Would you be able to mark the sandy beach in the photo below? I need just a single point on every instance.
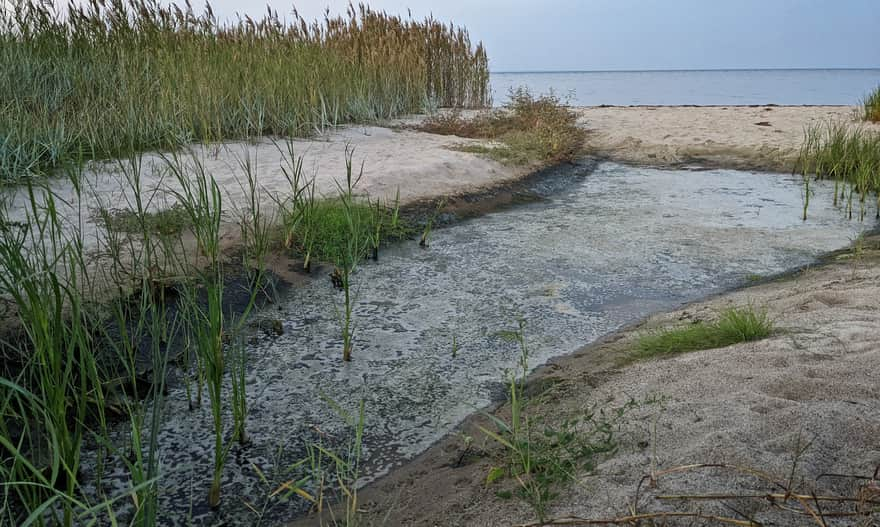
(366, 264)
(745, 137)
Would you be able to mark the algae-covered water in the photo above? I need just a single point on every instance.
(601, 248)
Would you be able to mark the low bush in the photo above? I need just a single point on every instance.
(528, 129)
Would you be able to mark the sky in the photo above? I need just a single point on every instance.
(564, 35)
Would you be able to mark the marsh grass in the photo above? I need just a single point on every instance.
(734, 325)
(322, 229)
(211, 329)
(848, 155)
(103, 79)
(58, 398)
(335, 220)
(130, 321)
(528, 129)
(871, 106)
(41, 273)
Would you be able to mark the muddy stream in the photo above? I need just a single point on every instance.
(600, 247)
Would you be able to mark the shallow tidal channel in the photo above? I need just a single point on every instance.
(600, 249)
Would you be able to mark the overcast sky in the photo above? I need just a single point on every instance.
(643, 34)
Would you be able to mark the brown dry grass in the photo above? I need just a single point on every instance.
(528, 129)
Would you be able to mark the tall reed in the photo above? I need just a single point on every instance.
(79, 354)
(104, 77)
(351, 251)
(141, 317)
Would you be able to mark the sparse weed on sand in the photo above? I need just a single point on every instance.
(541, 454)
(734, 325)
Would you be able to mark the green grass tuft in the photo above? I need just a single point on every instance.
(733, 326)
(330, 228)
(871, 106)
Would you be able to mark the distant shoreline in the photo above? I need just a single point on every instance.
(699, 87)
(702, 70)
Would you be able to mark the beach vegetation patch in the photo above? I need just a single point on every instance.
(743, 324)
(527, 129)
(170, 221)
(540, 455)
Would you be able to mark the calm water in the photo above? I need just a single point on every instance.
(722, 87)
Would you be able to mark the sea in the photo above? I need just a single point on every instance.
(694, 87)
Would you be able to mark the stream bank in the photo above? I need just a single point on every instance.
(799, 404)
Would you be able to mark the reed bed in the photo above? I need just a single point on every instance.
(107, 78)
(850, 156)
